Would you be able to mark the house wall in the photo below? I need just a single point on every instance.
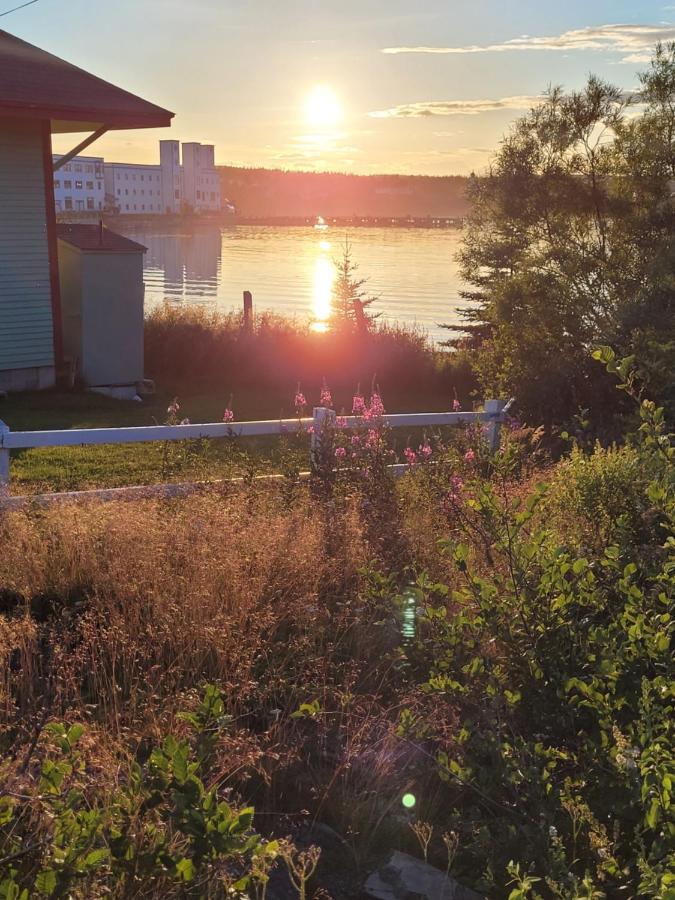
(26, 327)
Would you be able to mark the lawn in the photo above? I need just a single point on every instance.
(77, 468)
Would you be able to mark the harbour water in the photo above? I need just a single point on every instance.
(290, 270)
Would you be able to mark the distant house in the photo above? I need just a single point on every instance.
(41, 95)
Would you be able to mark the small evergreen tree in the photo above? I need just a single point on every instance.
(350, 299)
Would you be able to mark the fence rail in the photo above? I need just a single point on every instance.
(492, 415)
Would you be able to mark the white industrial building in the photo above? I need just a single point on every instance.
(89, 184)
(80, 184)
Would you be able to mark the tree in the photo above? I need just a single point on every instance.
(349, 297)
(569, 242)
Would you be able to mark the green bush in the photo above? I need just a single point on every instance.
(599, 498)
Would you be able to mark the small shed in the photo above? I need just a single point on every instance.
(102, 291)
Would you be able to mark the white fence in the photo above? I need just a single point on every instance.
(492, 415)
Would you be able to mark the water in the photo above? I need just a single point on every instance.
(290, 270)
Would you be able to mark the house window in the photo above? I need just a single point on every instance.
(67, 167)
(143, 207)
(98, 185)
(68, 185)
(78, 167)
(177, 195)
(90, 185)
(89, 170)
(79, 204)
(126, 176)
(68, 202)
(78, 185)
(119, 192)
(126, 191)
(127, 206)
(57, 183)
(90, 203)
(142, 177)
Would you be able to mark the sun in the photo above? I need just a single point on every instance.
(323, 107)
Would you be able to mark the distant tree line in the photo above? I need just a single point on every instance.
(270, 193)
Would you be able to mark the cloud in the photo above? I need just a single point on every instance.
(453, 108)
(634, 40)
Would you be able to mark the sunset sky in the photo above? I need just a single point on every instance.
(427, 86)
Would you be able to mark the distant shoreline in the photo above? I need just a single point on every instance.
(117, 221)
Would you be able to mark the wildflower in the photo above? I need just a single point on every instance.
(184, 422)
(358, 405)
(300, 401)
(340, 452)
(310, 429)
(376, 409)
(173, 407)
(457, 484)
(228, 415)
(341, 422)
(372, 440)
(356, 440)
(425, 450)
(410, 456)
(326, 396)
(469, 456)
(456, 405)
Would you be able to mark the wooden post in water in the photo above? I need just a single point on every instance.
(248, 311)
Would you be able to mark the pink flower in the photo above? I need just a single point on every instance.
(410, 456)
(340, 452)
(310, 429)
(358, 405)
(425, 450)
(456, 405)
(375, 409)
(228, 415)
(173, 407)
(372, 440)
(356, 440)
(469, 456)
(326, 397)
(341, 422)
(300, 401)
(457, 484)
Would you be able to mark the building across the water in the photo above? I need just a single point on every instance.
(90, 184)
(79, 184)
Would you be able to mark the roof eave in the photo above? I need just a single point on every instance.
(68, 120)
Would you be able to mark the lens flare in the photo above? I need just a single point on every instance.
(409, 800)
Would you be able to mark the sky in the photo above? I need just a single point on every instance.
(364, 86)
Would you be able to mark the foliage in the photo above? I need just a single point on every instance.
(560, 665)
(159, 832)
(569, 244)
(350, 299)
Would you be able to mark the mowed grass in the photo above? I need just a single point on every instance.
(117, 465)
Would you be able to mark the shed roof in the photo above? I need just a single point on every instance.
(96, 239)
(36, 84)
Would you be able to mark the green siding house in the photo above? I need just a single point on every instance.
(40, 95)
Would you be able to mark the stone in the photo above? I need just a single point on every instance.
(403, 877)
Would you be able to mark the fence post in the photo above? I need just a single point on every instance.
(248, 311)
(322, 417)
(4, 459)
(494, 408)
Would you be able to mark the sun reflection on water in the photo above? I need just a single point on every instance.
(322, 289)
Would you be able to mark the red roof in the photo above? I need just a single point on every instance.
(38, 85)
(96, 238)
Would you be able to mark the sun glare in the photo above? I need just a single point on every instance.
(322, 107)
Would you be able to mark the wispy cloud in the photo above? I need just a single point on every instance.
(453, 108)
(634, 40)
